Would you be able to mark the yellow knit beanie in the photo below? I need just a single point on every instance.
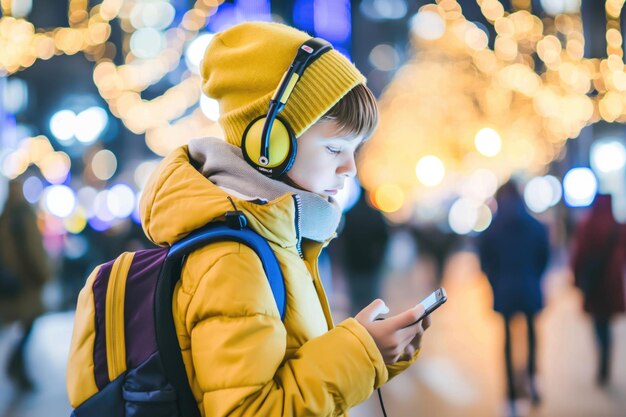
(243, 66)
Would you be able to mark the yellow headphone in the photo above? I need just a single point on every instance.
(268, 142)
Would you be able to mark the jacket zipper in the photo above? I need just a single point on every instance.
(319, 288)
(298, 221)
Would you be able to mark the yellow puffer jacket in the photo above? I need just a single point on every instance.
(241, 359)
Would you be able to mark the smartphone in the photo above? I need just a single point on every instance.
(433, 302)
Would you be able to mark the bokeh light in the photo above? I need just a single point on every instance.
(101, 207)
(99, 225)
(104, 164)
(483, 218)
(121, 201)
(607, 156)
(580, 187)
(384, 9)
(480, 185)
(14, 164)
(55, 167)
(463, 216)
(136, 215)
(428, 25)
(332, 21)
(21, 8)
(388, 198)
(488, 142)
(77, 222)
(32, 189)
(76, 246)
(210, 107)
(146, 42)
(90, 123)
(384, 57)
(195, 51)
(157, 14)
(62, 125)
(143, 172)
(86, 199)
(538, 194)
(556, 7)
(557, 189)
(430, 170)
(59, 200)
(15, 95)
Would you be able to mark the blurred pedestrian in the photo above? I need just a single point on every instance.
(598, 260)
(24, 269)
(514, 253)
(364, 237)
(436, 245)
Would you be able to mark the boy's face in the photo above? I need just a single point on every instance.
(324, 159)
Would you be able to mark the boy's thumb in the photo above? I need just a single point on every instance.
(373, 310)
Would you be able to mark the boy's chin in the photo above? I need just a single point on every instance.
(326, 194)
(294, 184)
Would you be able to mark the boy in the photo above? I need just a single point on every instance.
(241, 358)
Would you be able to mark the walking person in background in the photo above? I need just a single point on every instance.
(598, 260)
(24, 269)
(514, 253)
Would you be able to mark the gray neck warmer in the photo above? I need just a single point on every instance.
(223, 164)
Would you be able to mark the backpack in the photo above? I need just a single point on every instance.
(139, 370)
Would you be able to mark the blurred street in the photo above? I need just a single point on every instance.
(460, 372)
(493, 165)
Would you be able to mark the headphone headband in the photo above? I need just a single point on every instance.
(307, 53)
(271, 129)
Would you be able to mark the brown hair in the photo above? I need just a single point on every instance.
(356, 113)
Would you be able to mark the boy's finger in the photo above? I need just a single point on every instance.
(427, 322)
(410, 350)
(373, 310)
(407, 317)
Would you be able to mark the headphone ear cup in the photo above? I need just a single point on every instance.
(282, 146)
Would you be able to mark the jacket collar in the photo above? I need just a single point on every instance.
(178, 199)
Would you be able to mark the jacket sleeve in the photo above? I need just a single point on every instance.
(238, 345)
(400, 366)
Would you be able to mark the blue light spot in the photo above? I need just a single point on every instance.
(253, 10)
(333, 20)
(303, 15)
(99, 225)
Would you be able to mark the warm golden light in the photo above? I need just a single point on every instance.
(389, 198)
(430, 170)
(438, 104)
(120, 85)
(488, 142)
(448, 98)
(55, 167)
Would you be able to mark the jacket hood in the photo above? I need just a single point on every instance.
(178, 199)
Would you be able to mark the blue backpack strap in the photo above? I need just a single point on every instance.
(220, 232)
(167, 340)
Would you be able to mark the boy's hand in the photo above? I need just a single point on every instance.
(395, 336)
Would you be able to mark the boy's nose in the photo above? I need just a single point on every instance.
(348, 167)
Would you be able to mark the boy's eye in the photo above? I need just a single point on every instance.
(333, 150)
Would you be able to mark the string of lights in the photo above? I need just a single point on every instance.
(464, 114)
(461, 118)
